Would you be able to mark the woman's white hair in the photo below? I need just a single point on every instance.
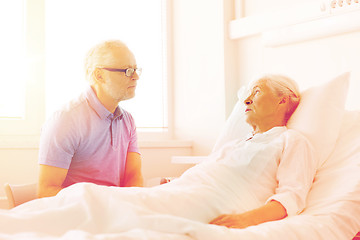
(101, 55)
(284, 86)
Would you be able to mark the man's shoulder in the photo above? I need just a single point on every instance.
(70, 110)
(75, 104)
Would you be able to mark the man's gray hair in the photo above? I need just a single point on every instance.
(101, 55)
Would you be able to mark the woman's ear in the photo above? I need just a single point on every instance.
(283, 100)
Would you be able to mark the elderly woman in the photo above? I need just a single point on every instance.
(283, 161)
(249, 181)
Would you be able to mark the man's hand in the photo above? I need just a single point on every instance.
(165, 180)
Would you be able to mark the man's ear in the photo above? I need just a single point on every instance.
(98, 75)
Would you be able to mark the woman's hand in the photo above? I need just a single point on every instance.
(271, 211)
(233, 221)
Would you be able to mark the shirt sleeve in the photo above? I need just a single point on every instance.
(295, 173)
(133, 143)
(57, 143)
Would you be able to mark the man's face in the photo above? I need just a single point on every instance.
(116, 84)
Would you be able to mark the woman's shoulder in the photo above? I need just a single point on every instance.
(292, 135)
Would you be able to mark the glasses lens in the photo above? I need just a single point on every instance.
(129, 72)
(138, 71)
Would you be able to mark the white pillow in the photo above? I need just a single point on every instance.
(235, 126)
(336, 188)
(318, 116)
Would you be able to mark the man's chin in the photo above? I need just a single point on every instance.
(127, 97)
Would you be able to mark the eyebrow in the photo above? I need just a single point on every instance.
(130, 66)
(127, 66)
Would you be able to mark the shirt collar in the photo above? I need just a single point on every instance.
(270, 133)
(100, 110)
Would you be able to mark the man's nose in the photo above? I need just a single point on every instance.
(135, 76)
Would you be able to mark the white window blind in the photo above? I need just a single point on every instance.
(74, 26)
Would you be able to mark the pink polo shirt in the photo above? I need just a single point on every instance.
(89, 141)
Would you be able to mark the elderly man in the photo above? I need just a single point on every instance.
(92, 139)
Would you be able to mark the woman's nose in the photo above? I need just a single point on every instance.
(248, 101)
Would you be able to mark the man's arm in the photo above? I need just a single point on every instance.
(133, 175)
(50, 180)
(271, 211)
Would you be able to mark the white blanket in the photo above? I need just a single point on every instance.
(171, 211)
(87, 211)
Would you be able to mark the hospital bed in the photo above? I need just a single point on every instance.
(333, 203)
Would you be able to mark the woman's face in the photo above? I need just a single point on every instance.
(261, 104)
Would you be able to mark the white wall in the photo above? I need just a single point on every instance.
(199, 71)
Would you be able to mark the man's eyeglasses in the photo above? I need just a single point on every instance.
(129, 72)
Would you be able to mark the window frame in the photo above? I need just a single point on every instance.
(167, 133)
(24, 132)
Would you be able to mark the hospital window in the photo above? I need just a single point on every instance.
(43, 46)
(74, 26)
